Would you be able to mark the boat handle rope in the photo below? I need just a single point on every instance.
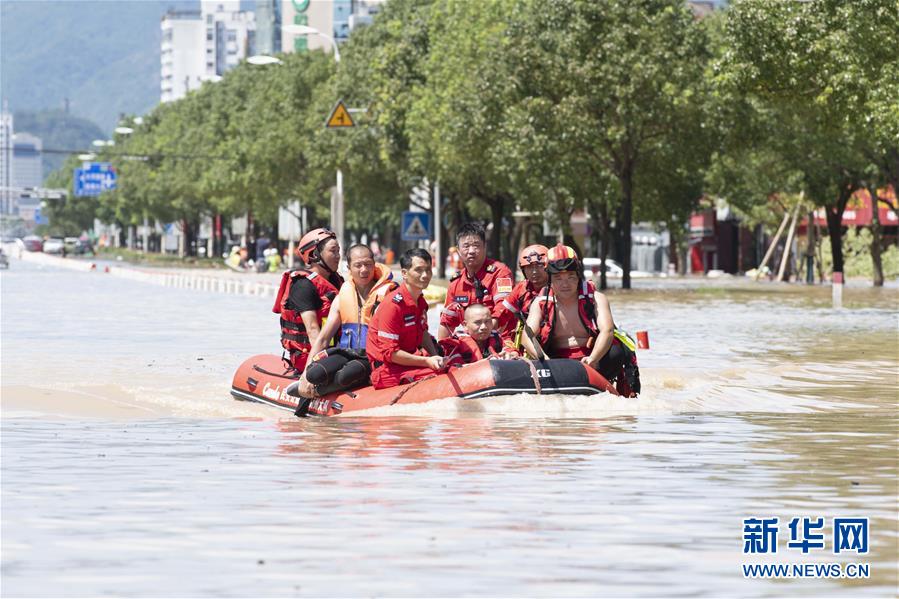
(535, 376)
(287, 374)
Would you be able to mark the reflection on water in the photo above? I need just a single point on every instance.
(127, 469)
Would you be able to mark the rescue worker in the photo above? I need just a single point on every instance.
(532, 261)
(573, 320)
(399, 346)
(346, 365)
(305, 295)
(478, 341)
(481, 280)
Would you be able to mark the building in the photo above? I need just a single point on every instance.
(268, 26)
(6, 133)
(202, 46)
(27, 171)
(182, 54)
(334, 18)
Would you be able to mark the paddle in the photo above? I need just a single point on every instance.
(541, 355)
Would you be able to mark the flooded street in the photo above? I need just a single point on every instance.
(128, 469)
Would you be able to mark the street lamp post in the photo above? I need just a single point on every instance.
(338, 220)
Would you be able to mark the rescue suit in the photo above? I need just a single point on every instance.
(463, 349)
(399, 323)
(490, 285)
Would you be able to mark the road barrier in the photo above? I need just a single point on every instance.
(199, 282)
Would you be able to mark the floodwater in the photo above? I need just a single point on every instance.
(128, 470)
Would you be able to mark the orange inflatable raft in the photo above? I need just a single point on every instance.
(265, 378)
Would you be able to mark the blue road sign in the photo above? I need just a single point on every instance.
(94, 180)
(40, 219)
(416, 226)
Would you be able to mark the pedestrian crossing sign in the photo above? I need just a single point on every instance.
(340, 117)
(416, 226)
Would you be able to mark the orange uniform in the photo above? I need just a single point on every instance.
(399, 323)
(489, 287)
(463, 349)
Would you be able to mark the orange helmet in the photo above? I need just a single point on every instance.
(307, 250)
(561, 258)
(531, 254)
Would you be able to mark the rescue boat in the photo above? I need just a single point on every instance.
(265, 378)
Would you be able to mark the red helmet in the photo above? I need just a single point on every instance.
(307, 250)
(531, 254)
(561, 258)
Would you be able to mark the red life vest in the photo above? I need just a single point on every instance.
(294, 337)
(464, 348)
(586, 307)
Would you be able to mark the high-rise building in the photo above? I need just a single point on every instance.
(6, 133)
(202, 46)
(182, 53)
(27, 165)
(268, 26)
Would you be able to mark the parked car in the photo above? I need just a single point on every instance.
(54, 245)
(70, 243)
(613, 269)
(83, 246)
(33, 243)
(592, 268)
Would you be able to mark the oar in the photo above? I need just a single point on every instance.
(541, 355)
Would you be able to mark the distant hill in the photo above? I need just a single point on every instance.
(58, 131)
(102, 56)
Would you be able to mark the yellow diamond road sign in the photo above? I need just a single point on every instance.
(340, 117)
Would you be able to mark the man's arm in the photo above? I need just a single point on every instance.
(310, 321)
(606, 326)
(404, 358)
(328, 331)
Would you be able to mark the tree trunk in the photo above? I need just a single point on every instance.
(876, 235)
(835, 226)
(603, 247)
(627, 207)
(497, 205)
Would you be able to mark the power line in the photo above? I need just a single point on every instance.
(125, 155)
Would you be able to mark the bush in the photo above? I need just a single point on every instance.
(857, 255)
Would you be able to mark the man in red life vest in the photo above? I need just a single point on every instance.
(346, 365)
(399, 346)
(481, 280)
(532, 261)
(478, 341)
(304, 297)
(573, 320)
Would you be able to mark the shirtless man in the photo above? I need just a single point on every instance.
(573, 320)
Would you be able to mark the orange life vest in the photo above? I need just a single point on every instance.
(356, 313)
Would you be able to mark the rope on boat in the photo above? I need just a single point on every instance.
(535, 376)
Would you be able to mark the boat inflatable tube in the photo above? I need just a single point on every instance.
(266, 378)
